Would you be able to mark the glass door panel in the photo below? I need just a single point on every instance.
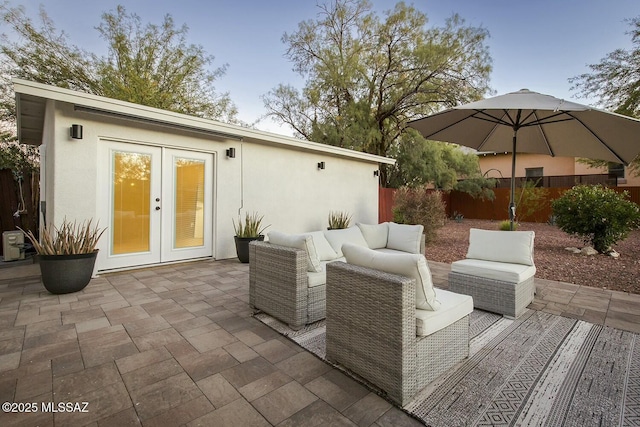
(131, 202)
(189, 202)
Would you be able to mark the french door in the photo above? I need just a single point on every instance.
(160, 204)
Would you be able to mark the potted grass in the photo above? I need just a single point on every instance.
(339, 220)
(67, 255)
(247, 231)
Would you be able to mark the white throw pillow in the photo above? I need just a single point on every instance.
(375, 235)
(298, 241)
(337, 238)
(324, 249)
(405, 237)
(515, 247)
(409, 265)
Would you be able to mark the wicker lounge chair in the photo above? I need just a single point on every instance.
(498, 271)
(371, 330)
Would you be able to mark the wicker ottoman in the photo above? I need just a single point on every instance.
(509, 299)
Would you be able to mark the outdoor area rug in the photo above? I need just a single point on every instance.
(540, 369)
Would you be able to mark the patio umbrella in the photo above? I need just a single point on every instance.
(530, 122)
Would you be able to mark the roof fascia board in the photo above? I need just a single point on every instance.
(150, 114)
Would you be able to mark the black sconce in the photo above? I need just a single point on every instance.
(231, 153)
(76, 131)
(320, 165)
(376, 172)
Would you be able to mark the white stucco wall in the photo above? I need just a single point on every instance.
(280, 182)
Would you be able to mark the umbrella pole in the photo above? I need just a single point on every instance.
(512, 205)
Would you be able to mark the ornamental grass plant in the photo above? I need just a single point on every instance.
(70, 238)
(250, 227)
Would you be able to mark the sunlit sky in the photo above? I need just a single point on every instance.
(536, 45)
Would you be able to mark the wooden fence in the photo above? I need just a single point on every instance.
(497, 209)
(19, 202)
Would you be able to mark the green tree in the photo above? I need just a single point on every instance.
(366, 77)
(446, 166)
(148, 64)
(615, 80)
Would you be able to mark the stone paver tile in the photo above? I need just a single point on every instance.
(157, 339)
(367, 410)
(112, 346)
(101, 403)
(337, 390)
(146, 326)
(161, 307)
(32, 315)
(164, 395)
(303, 367)
(587, 299)
(204, 329)
(64, 333)
(151, 374)
(181, 415)
(67, 364)
(237, 413)
(248, 372)
(77, 316)
(8, 389)
(248, 337)
(240, 351)
(626, 305)
(211, 340)
(397, 418)
(178, 316)
(201, 365)
(318, 414)
(274, 350)
(264, 385)
(11, 345)
(93, 324)
(33, 385)
(126, 315)
(10, 361)
(192, 323)
(125, 418)
(7, 333)
(143, 359)
(72, 386)
(283, 402)
(218, 390)
(233, 324)
(625, 321)
(49, 352)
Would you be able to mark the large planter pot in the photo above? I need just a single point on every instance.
(63, 274)
(242, 246)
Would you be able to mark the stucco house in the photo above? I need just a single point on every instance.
(168, 185)
(498, 165)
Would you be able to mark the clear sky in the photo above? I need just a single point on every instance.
(536, 45)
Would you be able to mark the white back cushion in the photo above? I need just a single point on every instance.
(405, 237)
(337, 238)
(324, 249)
(514, 247)
(375, 234)
(408, 265)
(299, 241)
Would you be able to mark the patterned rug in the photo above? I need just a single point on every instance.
(538, 370)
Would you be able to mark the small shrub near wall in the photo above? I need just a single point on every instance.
(420, 206)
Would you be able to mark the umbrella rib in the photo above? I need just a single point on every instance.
(544, 135)
(599, 139)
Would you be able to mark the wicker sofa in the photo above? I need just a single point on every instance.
(375, 330)
(287, 273)
(498, 271)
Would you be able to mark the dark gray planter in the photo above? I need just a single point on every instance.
(242, 247)
(63, 274)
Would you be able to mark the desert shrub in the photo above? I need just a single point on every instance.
(420, 206)
(598, 215)
(531, 199)
(506, 225)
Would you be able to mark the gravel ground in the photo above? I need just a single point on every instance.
(553, 262)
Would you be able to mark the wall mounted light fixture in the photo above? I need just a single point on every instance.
(76, 131)
(231, 153)
(376, 172)
(320, 165)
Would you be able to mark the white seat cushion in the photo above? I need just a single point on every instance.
(404, 237)
(515, 247)
(503, 271)
(323, 248)
(407, 265)
(453, 307)
(298, 241)
(337, 238)
(320, 277)
(375, 234)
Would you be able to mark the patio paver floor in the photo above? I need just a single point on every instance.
(176, 345)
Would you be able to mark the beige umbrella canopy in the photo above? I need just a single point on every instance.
(530, 122)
